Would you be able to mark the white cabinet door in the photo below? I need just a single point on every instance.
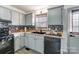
(26, 41)
(22, 41)
(17, 43)
(74, 45)
(40, 44)
(5, 13)
(31, 43)
(22, 19)
(35, 42)
(28, 19)
(54, 16)
(1, 12)
(15, 18)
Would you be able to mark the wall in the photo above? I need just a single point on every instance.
(64, 41)
(66, 27)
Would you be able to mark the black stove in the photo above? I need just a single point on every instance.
(6, 39)
(7, 44)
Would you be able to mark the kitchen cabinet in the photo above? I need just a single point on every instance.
(5, 13)
(17, 43)
(28, 19)
(1, 12)
(73, 45)
(26, 41)
(63, 46)
(22, 19)
(39, 44)
(31, 39)
(22, 40)
(55, 16)
(35, 42)
(15, 18)
(31, 43)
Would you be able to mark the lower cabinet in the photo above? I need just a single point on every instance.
(35, 42)
(39, 45)
(73, 45)
(26, 41)
(17, 43)
(22, 39)
(31, 43)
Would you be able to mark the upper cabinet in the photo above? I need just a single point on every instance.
(15, 18)
(29, 19)
(5, 13)
(55, 16)
(22, 19)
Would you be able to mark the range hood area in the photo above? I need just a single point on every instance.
(6, 21)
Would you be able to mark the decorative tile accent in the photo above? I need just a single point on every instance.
(58, 27)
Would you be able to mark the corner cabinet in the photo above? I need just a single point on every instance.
(22, 40)
(55, 16)
(28, 19)
(15, 18)
(22, 19)
(5, 13)
(19, 40)
(31, 43)
(39, 44)
(17, 43)
(26, 40)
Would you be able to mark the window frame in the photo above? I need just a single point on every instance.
(40, 15)
(71, 19)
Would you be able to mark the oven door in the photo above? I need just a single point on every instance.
(7, 46)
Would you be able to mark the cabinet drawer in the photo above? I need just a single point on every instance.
(40, 37)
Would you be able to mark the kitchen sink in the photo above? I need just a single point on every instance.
(39, 32)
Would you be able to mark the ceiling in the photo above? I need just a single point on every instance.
(31, 8)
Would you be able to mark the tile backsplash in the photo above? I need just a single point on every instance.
(19, 28)
(59, 28)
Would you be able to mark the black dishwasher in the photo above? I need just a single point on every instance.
(52, 45)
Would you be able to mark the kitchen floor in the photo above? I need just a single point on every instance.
(24, 51)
